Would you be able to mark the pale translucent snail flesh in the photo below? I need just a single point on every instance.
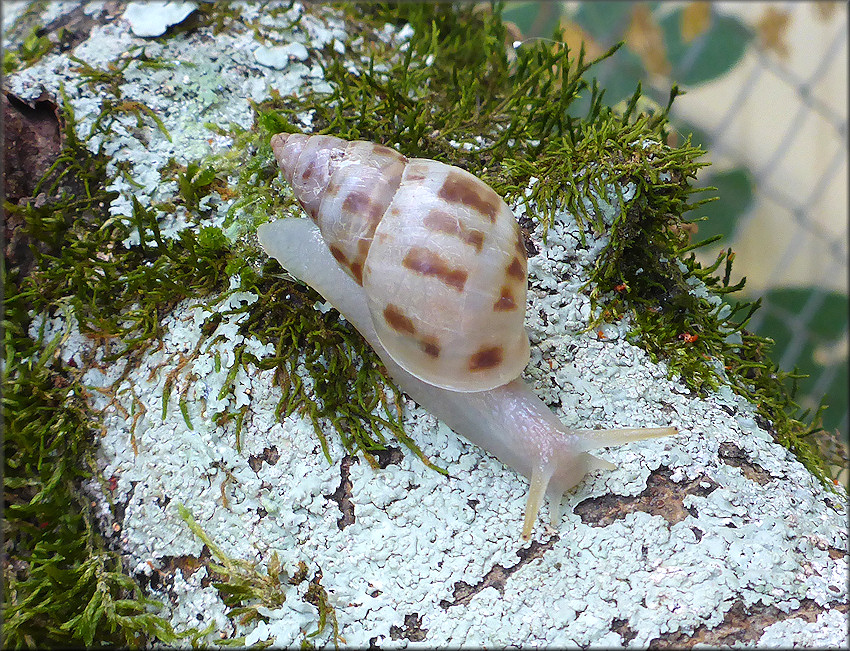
(428, 263)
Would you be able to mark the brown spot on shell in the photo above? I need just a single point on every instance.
(360, 203)
(356, 202)
(383, 150)
(515, 269)
(428, 263)
(414, 176)
(430, 346)
(469, 191)
(520, 244)
(475, 238)
(338, 255)
(308, 171)
(355, 267)
(506, 301)
(486, 358)
(396, 319)
(442, 222)
(363, 245)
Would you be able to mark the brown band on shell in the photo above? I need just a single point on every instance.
(360, 202)
(486, 358)
(428, 263)
(515, 270)
(430, 346)
(469, 191)
(397, 320)
(506, 301)
(520, 244)
(355, 267)
(443, 222)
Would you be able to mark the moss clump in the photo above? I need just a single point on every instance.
(63, 585)
(244, 588)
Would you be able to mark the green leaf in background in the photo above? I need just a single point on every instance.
(699, 138)
(521, 14)
(710, 55)
(836, 398)
(605, 21)
(734, 197)
(534, 18)
(821, 333)
(622, 75)
(827, 324)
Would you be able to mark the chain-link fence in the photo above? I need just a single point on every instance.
(766, 96)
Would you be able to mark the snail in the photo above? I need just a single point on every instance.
(427, 262)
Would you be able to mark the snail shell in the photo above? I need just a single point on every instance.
(427, 263)
(437, 252)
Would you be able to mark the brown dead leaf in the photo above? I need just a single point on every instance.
(825, 10)
(772, 28)
(574, 36)
(696, 19)
(644, 38)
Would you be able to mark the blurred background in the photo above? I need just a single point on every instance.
(766, 97)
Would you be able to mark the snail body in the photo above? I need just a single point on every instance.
(427, 263)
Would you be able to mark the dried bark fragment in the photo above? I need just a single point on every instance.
(412, 630)
(732, 455)
(342, 495)
(498, 575)
(662, 496)
(741, 625)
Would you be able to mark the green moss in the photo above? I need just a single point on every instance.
(31, 50)
(25, 40)
(62, 584)
(244, 588)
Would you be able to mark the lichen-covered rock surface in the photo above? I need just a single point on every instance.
(717, 535)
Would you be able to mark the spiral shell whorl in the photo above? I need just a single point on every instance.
(446, 280)
(437, 251)
(345, 187)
